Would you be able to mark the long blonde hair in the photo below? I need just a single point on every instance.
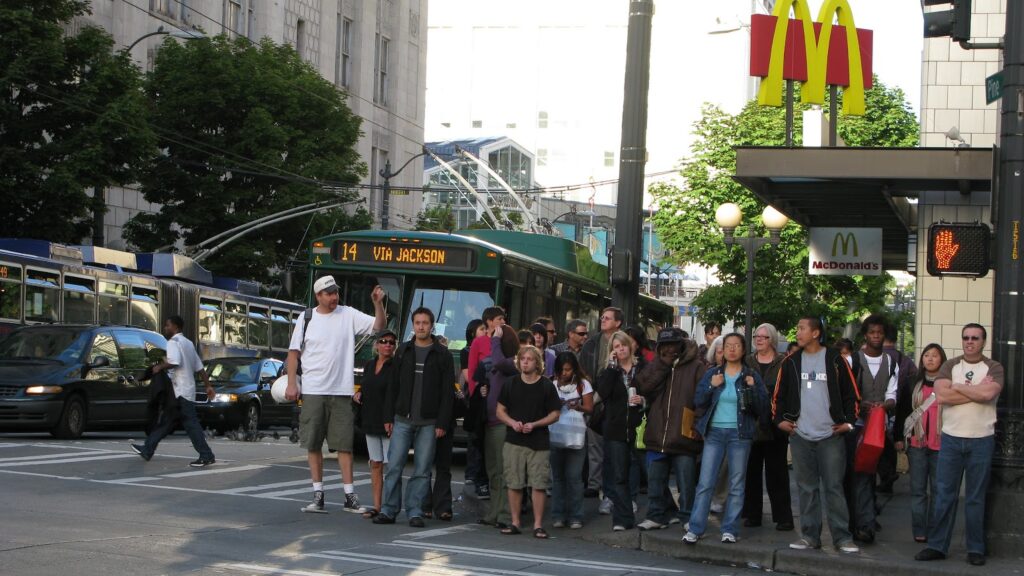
(626, 339)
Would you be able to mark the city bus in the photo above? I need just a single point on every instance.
(48, 283)
(458, 275)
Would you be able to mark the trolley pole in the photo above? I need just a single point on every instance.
(627, 250)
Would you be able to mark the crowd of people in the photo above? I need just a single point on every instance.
(613, 415)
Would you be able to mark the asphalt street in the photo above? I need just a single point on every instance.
(92, 506)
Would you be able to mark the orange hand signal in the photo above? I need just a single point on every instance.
(945, 249)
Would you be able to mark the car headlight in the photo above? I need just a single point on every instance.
(35, 390)
(225, 398)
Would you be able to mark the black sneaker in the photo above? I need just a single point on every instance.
(416, 522)
(383, 519)
(141, 451)
(201, 462)
(483, 492)
(352, 504)
(317, 505)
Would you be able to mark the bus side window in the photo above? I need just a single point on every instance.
(210, 318)
(42, 296)
(10, 291)
(145, 308)
(513, 305)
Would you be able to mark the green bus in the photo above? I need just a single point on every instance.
(458, 275)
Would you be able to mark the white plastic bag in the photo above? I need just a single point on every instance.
(570, 431)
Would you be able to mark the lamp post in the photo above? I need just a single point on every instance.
(385, 192)
(183, 34)
(729, 217)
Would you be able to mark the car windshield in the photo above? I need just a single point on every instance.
(49, 343)
(240, 371)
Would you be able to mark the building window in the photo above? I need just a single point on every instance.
(542, 156)
(250, 28)
(380, 67)
(510, 125)
(233, 18)
(344, 72)
(609, 158)
(300, 38)
(165, 7)
(478, 124)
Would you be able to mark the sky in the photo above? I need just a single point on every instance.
(898, 42)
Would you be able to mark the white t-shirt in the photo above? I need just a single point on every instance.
(182, 353)
(973, 419)
(328, 356)
(571, 393)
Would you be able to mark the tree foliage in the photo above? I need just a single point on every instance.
(256, 141)
(72, 120)
(783, 289)
(436, 219)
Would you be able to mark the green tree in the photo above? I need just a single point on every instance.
(783, 290)
(436, 219)
(72, 120)
(246, 131)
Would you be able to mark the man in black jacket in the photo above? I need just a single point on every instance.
(416, 410)
(815, 402)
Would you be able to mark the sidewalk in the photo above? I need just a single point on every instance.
(764, 548)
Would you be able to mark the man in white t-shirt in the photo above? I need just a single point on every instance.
(182, 363)
(326, 347)
(967, 388)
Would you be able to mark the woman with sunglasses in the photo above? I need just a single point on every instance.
(377, 373)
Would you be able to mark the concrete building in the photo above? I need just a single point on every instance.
(375, 51)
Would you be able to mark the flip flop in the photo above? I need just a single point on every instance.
(540, 533)
(371, 513)
(445, 516)
(511, 530)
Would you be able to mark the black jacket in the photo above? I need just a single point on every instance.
(373, 395)
(438, 392)
(843, 394)
(620, 419)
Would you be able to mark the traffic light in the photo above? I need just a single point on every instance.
(955, 23)
(959, 250)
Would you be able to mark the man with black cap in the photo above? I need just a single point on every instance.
(669, 384)
(324, 340)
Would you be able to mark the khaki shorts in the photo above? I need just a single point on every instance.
(526, 467)
(328, 418)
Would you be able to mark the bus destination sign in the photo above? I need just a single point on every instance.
(401, 255)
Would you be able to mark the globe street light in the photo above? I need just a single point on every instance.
(729, 216)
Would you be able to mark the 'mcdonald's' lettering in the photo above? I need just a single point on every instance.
(815, 53)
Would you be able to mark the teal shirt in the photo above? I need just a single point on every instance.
(726, 409)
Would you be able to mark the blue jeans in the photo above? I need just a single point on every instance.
(617, 463)
(422, 440)
(959, 457)
(819, 468)
(719, 445)
(567, 484)
(189, 421)
(659, 498)
(922, 487)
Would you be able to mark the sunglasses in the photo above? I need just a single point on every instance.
(970, 338)
(581, 333)
(386, 342)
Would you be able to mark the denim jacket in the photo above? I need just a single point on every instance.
(707, 398)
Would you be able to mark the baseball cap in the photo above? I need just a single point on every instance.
(325, 283)
(667, 335)
(386, 332)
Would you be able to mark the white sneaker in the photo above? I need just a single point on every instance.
(802, 544)
(690, 538)
(728, 538)
(651, 525)
(618, 528)
(635, 507)
(606, 507)
(849, 548)
(716, 508)
(675, 520)
(558, 524)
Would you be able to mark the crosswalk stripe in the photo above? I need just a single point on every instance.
(274, 570)
(51, 456)
(133, 480)
(10, 445)
(215, 471)
(257, 488)
(441, 566)
(306, 489)
(490, 553)
(66, 460)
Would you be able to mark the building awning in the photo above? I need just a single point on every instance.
(861, 187)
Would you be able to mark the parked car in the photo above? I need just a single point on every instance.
(242, 395)
(68, 378)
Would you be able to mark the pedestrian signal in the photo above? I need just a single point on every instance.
(959, 250)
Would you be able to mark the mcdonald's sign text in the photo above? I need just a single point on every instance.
(817, 53)
(845, 252)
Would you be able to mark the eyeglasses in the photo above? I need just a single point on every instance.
(580, 333)
(386, 342)
(970, 338)
(759, 336)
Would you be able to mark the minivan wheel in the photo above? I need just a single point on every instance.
(251, 423)
(72, 419)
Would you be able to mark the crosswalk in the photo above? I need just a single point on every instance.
(226, 477)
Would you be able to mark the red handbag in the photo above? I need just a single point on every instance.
(871, 443)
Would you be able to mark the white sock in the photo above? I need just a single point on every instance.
(350, 488)
(318, 486)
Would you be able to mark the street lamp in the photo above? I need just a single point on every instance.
(176, 33)
(729, 216)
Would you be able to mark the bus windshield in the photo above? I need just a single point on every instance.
(453, 308)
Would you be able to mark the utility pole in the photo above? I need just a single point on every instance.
(1006, 496)
(625, 265)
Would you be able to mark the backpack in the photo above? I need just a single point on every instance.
(306, 317)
